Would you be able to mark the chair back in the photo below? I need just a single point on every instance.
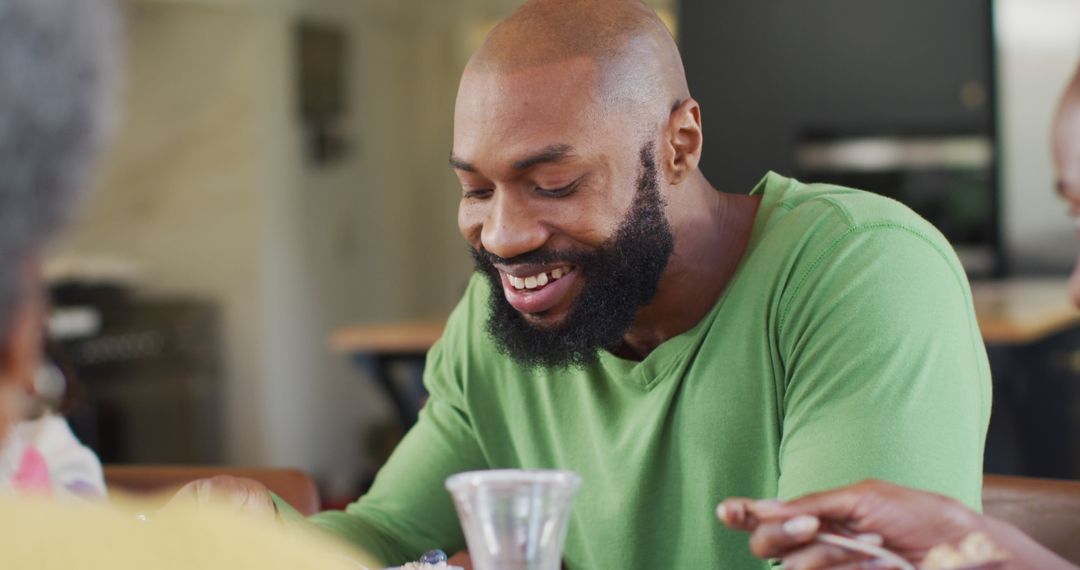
(1047, 510)
(292, 485)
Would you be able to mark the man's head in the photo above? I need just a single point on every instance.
(1066, 150)
(57, 72)
(573, 124)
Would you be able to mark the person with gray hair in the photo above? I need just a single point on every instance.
(59, 67)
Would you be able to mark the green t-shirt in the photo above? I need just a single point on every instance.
(844, 348)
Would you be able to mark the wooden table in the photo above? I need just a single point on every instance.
(406, 337)
(1023, 311)
(1031, 334)
(385, 349)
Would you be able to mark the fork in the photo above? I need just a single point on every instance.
(884, 555)
(890, 558)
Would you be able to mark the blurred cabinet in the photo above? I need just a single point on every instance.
(784, 80)
(148, 385)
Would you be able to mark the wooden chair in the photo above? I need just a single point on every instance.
(1047, 510)
(292, 485)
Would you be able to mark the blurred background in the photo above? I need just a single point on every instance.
(281, 176)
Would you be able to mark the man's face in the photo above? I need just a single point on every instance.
(562, 208)
(1067, 164)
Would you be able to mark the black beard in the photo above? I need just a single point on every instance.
(619, 277)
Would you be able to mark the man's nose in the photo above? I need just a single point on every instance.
(512, 226)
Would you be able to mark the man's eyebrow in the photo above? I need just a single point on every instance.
(459, 164)
(553, 153)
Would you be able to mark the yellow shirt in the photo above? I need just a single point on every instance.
(44, 535)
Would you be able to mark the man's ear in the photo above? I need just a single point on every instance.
(20, 347)
(682, 142)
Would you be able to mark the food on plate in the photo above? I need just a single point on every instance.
(976, 551)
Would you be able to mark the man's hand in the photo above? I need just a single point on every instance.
(244, 495)
(907, 521)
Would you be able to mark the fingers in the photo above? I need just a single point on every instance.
(743, 514)
(836, 505)
(775, 540)
(243, 495)
(735, 513)
(254, 501)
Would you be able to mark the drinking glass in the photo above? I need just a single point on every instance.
(514, 519)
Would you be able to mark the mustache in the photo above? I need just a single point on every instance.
(540, 256)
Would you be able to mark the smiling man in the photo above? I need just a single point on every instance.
(673, 344)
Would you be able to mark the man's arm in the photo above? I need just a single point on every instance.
(408, 510)
(886, 372)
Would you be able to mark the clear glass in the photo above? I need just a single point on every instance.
(514, 519)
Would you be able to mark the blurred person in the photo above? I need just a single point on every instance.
(58, 67)
(909, 522)
(55, 82)
(42, 454)
(671, 343)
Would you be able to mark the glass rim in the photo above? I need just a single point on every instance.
(504, 477)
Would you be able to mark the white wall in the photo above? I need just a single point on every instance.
(1038, 50)
(343, 241)
(178, 194)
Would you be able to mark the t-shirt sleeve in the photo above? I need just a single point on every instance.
(73, 468)
(886, 372)
(408, 510)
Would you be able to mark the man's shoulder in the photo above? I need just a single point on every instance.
(851, 208)
(814, 228)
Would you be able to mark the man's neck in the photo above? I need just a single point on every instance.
(712, 230)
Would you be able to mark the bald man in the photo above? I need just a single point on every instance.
(672, 344)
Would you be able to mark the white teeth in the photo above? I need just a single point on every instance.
(538, 280)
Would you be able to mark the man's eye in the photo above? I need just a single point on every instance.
(478, 194)
(558, 192)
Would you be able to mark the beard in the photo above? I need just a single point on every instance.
(619, 277)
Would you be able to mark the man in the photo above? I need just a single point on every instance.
(57, 67)
(909, 522)
(672, 344)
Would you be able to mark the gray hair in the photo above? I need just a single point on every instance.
(59, 66)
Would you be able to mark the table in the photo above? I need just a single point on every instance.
(1023, 311)
(1031, 334)
(406, 337)
(394, 352)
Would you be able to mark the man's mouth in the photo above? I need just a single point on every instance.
(540, 280)
(541, 291)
